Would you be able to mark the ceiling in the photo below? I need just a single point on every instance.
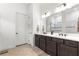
(48, 7)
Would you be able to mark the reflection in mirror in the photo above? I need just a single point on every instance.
(66, 21)
(54, 23)
(78, 25)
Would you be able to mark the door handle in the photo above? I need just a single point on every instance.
(16, 33)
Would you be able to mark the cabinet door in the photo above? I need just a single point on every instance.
(64, 50)
(42, 43)
(78, 48)
(37, 37)
(51, 47)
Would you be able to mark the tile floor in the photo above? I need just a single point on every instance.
(25, 50)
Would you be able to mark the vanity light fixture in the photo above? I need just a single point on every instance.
(46, 14)
(64, 6)
(60, 7)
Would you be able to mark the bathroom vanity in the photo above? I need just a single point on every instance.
(57, 45)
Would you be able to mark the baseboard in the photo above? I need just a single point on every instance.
(21, 45)
(4, 51)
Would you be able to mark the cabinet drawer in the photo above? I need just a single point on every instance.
(42, 37)
(54, 39)
(37, 36)
(70, 43)
(59, 40)
(48, 38)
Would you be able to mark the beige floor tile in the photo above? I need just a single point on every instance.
(25, 50)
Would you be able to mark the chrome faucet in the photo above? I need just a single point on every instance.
(61, 34)
(52, 32)
(65, 35)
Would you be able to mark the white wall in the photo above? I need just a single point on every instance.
(30, 14)
(37, 18)
(8, 22)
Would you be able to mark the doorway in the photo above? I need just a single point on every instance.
(21, 29)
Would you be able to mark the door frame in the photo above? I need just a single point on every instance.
(16, 24)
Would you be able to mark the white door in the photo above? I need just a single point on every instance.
(21, 28)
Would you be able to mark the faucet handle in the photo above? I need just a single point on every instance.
(65, 34)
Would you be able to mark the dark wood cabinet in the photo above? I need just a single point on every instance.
(50, 46)
(70, 43)
(37, 42)
(78, 48)
(57, 46)
(68, 48)
(58, 40)
(42, 43)
(64, 50)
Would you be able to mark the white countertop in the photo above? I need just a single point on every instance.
(74, 38)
